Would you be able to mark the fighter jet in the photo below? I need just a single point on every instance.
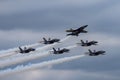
(49, 41)
(85, 44)
(76, 32)
(25, 50)
(60, 51)
(95, 53)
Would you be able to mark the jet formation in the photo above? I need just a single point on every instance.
(71, 32)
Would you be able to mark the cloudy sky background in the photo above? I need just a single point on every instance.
(27, 21)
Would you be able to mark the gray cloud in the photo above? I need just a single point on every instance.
(27, 21)
(103, 16)
(15, 6)
(61, 75)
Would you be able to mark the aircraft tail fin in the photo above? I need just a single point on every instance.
(89, 51)
(44, 40)
(86, 41)
(54, 50)
(58, 49)
(49, 39)
(21, 51)
(82, 41)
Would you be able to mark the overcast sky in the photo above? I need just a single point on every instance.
(27, 21)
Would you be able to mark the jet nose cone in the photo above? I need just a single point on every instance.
(95, 42)
(67, 50)
(85, 26)
(57, 40)
(103, 51)
(33, 49)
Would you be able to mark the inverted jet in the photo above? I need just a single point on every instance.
(76, 32)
